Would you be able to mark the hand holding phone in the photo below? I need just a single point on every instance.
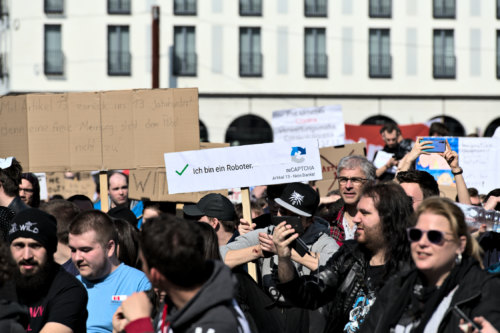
(436, 145)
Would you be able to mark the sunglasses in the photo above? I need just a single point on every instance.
(434, 236)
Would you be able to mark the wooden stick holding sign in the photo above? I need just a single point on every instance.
(247, 215)
(103, 192)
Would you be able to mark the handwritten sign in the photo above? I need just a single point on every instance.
(243, 166)
(324, 123)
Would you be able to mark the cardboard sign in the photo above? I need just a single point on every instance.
(152, 184)
(57, 183)
(243, 166)
(330, 158)
(98, 130)
(324, 123)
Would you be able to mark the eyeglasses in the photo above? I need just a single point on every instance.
(354, 180)
(27, 190)
(434, 236)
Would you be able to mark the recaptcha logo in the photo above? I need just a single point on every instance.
(297, 154)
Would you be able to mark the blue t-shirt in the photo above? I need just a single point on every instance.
(106, 295)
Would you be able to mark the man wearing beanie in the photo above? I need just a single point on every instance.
(56, 300)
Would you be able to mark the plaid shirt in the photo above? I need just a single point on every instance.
(337, 228)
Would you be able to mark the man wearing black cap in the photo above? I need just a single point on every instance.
(56, 300)
(297, 200)
(216, 210)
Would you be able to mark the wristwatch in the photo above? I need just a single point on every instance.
(458, 172)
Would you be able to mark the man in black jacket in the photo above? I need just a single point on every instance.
(353, 275)
(199, 293)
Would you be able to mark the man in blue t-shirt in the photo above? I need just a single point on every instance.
(92, 240)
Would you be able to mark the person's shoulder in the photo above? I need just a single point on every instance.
(65, 282)
(219, 318)
(126, 271)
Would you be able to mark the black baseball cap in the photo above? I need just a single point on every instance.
(299, 198)
(212, 205)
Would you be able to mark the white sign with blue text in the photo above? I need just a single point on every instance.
(242, 166)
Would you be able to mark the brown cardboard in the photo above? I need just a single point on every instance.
(98, 130)
(167, 121)
(330, 157)
(14, 129)
(117, 129)
(85, 142)
(58, 184)
(48, 132)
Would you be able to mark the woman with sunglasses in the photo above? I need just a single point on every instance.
(447, 274)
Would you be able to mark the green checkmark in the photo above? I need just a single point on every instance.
(180, 173)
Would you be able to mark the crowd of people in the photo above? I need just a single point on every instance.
(386, 252)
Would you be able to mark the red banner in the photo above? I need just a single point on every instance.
(370, 134)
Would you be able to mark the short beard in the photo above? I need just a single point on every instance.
(31, 286)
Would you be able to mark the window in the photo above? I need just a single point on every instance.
(444, 54)
(118, 6)
(251, 7)
(249, 130)
(3, 9)
(380, 8)
(316, 61)
(185, 7)
(54, 6)
(184, 51)
(119, 59)
(380, 53)
(317, 8)
(53, 56)
(444, 8)
(250, 55)
(498, 54)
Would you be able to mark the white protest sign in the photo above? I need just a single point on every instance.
(480, 160)
(324, 123)
(242, 166)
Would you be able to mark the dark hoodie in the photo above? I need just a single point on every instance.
(213, 307)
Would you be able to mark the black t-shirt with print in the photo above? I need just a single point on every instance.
(364, 299)
(65, 302)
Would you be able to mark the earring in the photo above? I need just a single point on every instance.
(458, 259)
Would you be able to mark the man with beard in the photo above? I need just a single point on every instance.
(56, 300)
(353, 275)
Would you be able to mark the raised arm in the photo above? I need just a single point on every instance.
(451, 158)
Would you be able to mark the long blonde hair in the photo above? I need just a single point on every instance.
(446, 208)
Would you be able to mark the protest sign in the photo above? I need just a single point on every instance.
(478, 157)
(98, 130)
(151, 183)
(324, 123)
(243, 166)
(330, 158)
(57, 183)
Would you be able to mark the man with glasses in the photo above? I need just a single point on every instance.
(353, 275)
(352, 173)
(297, 202)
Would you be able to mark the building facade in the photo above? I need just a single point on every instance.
(402, 60)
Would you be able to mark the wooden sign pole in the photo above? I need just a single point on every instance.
(103, 192)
